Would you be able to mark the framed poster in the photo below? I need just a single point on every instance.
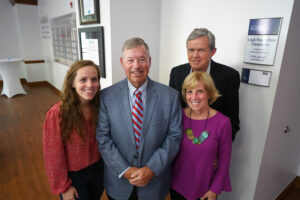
(91, 41)
(89, 11)
(263, 35)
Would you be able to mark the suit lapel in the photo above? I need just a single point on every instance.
(124, 107)
(187, 69)
(186, 72)
(151, 99)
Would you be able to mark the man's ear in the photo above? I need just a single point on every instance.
(213, 52)
(121, 60)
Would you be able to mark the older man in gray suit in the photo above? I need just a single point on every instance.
(139, 130)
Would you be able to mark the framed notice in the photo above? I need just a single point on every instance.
(91, 41)
(89, 11)
(263, 35)
(256, 77)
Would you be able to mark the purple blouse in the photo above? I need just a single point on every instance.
(193, 171)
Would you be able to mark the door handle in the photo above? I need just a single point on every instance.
(286, 129)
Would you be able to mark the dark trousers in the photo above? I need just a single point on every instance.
(176, 196)
(133, 195)
(88, 181)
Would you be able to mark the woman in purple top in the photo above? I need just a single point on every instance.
(201, 168)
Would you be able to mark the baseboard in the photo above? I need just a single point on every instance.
(24, 81)
(37, 83)
(43, 83)
(54, 88)
(295, 183)
(33, 61)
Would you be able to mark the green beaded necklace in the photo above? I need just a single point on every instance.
(204, 135)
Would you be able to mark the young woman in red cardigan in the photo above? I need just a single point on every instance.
(73, 163)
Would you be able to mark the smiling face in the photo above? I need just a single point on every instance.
(86, 83)
(136, 64)
(197, 98)
(199, 53)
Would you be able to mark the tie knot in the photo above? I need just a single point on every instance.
(137, 93)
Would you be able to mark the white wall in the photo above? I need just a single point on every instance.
(55, 72)
(121, 20)
(229, 21)
(28, 26)
(105, 22)
(281, 158)
(9, 38)
(20, 38)
(134, 18)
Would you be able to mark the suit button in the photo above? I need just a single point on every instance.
(135, 156)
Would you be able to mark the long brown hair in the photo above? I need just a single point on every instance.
(70, 116)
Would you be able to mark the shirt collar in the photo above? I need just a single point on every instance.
(132, 88)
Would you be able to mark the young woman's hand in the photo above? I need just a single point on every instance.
(70, 194)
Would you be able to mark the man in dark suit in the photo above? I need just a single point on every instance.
(200, 50)
(139, 130)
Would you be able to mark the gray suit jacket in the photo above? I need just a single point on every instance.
(159, 143)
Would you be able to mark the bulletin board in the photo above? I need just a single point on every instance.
(64, 38)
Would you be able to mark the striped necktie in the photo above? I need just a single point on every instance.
(137, 116)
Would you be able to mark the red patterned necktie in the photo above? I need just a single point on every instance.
(137, 116)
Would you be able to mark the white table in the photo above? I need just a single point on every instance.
(9, 70)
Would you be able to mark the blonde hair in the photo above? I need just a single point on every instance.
(70, 116)
(192, 80)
